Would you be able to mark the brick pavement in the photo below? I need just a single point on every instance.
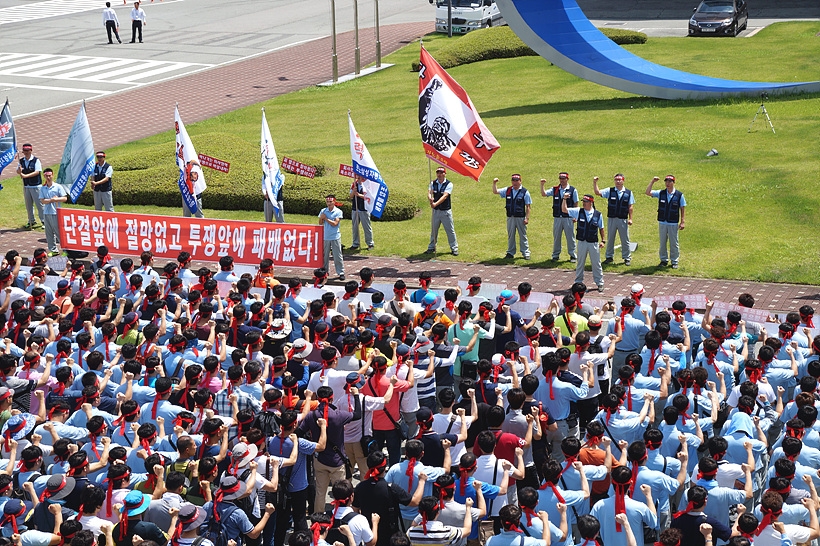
(227, 88)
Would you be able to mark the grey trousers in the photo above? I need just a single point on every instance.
(594, 252)
(554, 438)
(336, 247)
(52, 232)
(187, 213)
(443, 218)
(517, 226)
(103, 201)
(271, 213)
(619, 226)
(669, 233)
(32, 197)
(562, 227)
(362, 217)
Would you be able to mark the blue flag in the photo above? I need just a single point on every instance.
(8, 139)
(366, 173)
(77, 163)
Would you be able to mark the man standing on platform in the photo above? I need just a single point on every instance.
(518, 205)
(618, 217)
(101, 184)
(360, 214)
(439, 196)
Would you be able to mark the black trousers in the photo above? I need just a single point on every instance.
(136, 26)
(111, 26)
(296, 509)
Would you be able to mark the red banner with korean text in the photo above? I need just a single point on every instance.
(214, 163)
(294, 245)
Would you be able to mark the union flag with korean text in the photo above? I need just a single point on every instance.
(451, 129)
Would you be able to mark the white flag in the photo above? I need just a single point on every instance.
(77, 163)
(272, 177)
(191, 180)
(376, 192)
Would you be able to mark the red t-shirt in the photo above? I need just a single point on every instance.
(505, 444)
(374, 387)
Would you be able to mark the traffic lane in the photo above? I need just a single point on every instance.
(644, 10)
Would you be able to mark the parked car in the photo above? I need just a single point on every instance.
(719, 17)
(467, 15)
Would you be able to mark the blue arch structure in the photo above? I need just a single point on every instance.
(559, 31)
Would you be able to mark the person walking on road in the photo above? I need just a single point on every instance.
(112, 24)
(29, 170)
(137, 21)
(618, 217)
(101, 184)
(518, 205)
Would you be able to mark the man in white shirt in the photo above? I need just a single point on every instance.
(111, 22)
(137, 21)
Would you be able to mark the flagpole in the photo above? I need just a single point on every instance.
(378, 41)
(333, 58)
(356, 54)
(429, 169)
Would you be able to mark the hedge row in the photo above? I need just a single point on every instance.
(503, 43)
(150, 178)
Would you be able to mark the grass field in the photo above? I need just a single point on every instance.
(752, 210)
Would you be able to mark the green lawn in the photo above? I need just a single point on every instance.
(752, 209)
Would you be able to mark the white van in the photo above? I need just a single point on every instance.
(467, 15)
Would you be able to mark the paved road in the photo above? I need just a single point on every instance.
(55, 52)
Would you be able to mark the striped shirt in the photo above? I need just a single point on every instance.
(437, 534)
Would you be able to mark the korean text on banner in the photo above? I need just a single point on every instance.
(214, 163)
(297, 167)
(451, 129)
(294, 245)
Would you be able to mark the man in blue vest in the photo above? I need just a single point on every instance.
(439, 197)
(101, 184)
(671, 209)
(360, 215)
(29, 170)
(518, 204)
(561, 223)
(589, 222)
(618, 217)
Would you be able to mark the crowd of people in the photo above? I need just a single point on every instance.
(145, 405)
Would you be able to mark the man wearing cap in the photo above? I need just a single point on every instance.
(671, 213)
(58, 487)
(30, 171)
(190, 518)
(50, 197)
(438, 194)
(589, 223)
(618, 216)
(518, 204)
(101, 183)
(561, 223)
(134, 506)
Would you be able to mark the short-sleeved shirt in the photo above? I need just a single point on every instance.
(527, 199)
(332, 233)
(574, 212)
(235, 525)
(298, 472)
(657, 193)
(147, 530)
(435, 534)
(50, 192)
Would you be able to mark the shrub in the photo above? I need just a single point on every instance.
(150, 178)
(624, 37)
(503, 43)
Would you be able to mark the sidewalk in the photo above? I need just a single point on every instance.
(224, 89)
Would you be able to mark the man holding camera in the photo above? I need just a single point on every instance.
(671, 211)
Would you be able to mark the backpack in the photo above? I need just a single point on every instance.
(267, 423)
(245, 503)
(215, 531)
(334, 534)
(17, 491)
(595, 348)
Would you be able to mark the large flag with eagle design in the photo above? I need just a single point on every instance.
(451, 129)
